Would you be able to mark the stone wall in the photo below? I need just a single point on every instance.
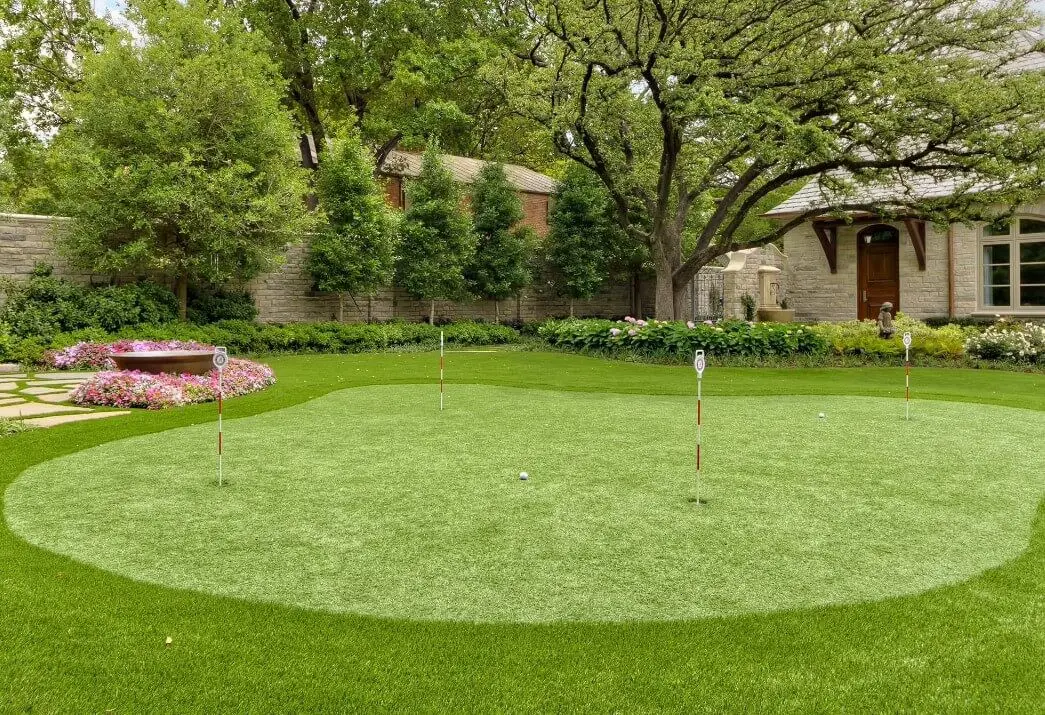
(740, 278)
(285, 295)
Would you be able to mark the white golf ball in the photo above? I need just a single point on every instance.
(821, 415)
(523, 475)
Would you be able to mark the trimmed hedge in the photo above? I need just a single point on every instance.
(860, 337)
(243, 337)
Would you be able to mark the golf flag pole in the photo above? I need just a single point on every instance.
(220, 359)
(442, 364)
(907, 375)
(699, 363)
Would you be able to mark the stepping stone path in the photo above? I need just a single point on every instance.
(39, 399)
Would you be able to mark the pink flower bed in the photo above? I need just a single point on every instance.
(98, 356)
(133, 388)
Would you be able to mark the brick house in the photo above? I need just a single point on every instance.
(845, 269)
(534, 189)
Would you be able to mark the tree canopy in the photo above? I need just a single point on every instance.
(178, 157)
(501, 266)
(354, 252)
(716, 109)
(437, 240)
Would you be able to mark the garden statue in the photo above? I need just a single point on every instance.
(885, 321)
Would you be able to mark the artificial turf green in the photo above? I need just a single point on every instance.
(76, 638)
(372, 501)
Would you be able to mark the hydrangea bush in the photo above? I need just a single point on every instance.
(673, 338)
(98, 356)
(133, 388)
(1011, 341)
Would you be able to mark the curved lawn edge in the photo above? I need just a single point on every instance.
(975, 645)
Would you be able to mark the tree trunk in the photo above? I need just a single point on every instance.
(664, 299)
(571, 307)
(431, 314)
(181, 289)
(497, 312)
(340, 307)
(370, 309)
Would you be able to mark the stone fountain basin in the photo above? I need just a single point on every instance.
(193, 362)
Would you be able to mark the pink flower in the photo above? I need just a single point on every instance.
(629, 319)
(614, 332)
(690, 324)
(633, 332)
(640, 323)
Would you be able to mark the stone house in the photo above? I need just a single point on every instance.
(845, 269)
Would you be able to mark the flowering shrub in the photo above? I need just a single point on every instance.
(98, 356)
(1017, 342)
(133, 388)
(673, 338)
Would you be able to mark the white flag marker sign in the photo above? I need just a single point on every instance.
(220, 360)
(907, 374)
(699, 363)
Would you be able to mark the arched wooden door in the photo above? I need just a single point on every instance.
(878, 270)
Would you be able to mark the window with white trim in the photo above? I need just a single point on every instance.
(1012, 265)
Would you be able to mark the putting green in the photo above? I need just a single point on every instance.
(371, 501)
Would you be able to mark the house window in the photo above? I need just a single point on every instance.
(1012, 265)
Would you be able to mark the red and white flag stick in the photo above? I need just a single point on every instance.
(442, 363)
(699, 364)
(907, 375)
(221, 359)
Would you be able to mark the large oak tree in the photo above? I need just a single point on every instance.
(698, 115)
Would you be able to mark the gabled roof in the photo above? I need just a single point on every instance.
(814, 196)
(465, 171)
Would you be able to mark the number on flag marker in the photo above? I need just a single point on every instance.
(907, 340)
(699, 363)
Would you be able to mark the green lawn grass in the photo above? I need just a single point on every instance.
(75, 637)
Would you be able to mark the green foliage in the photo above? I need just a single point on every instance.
(245, 337)
(671, 339)
(179, 158)
(860, 337)
(748, 302)
(500, 267)
(355, 252)
(215, 304)
(7, 342)
(437, 237)
(582, 235)
(43, 306)
(9, 427)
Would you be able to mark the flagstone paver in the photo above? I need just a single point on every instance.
(40, 390)
(63, 396)
(64, 419)
(7, 386)
(27, 409)
(5, 395)
(12, 401)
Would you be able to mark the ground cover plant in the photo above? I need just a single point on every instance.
(78, 637)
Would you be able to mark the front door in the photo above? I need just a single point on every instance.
(878, 270)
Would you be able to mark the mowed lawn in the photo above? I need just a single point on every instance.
(76, 637)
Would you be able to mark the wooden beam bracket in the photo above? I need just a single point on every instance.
(828, 236)
(916, 230)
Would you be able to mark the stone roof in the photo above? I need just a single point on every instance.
(465, 171)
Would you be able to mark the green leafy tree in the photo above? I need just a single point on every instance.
(713, 107)
(583, 240)
(178, 157)
(355, 252)
(402, 70)
(437, 240)
(501, 266)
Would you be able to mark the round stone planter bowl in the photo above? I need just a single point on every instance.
(178, 362)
